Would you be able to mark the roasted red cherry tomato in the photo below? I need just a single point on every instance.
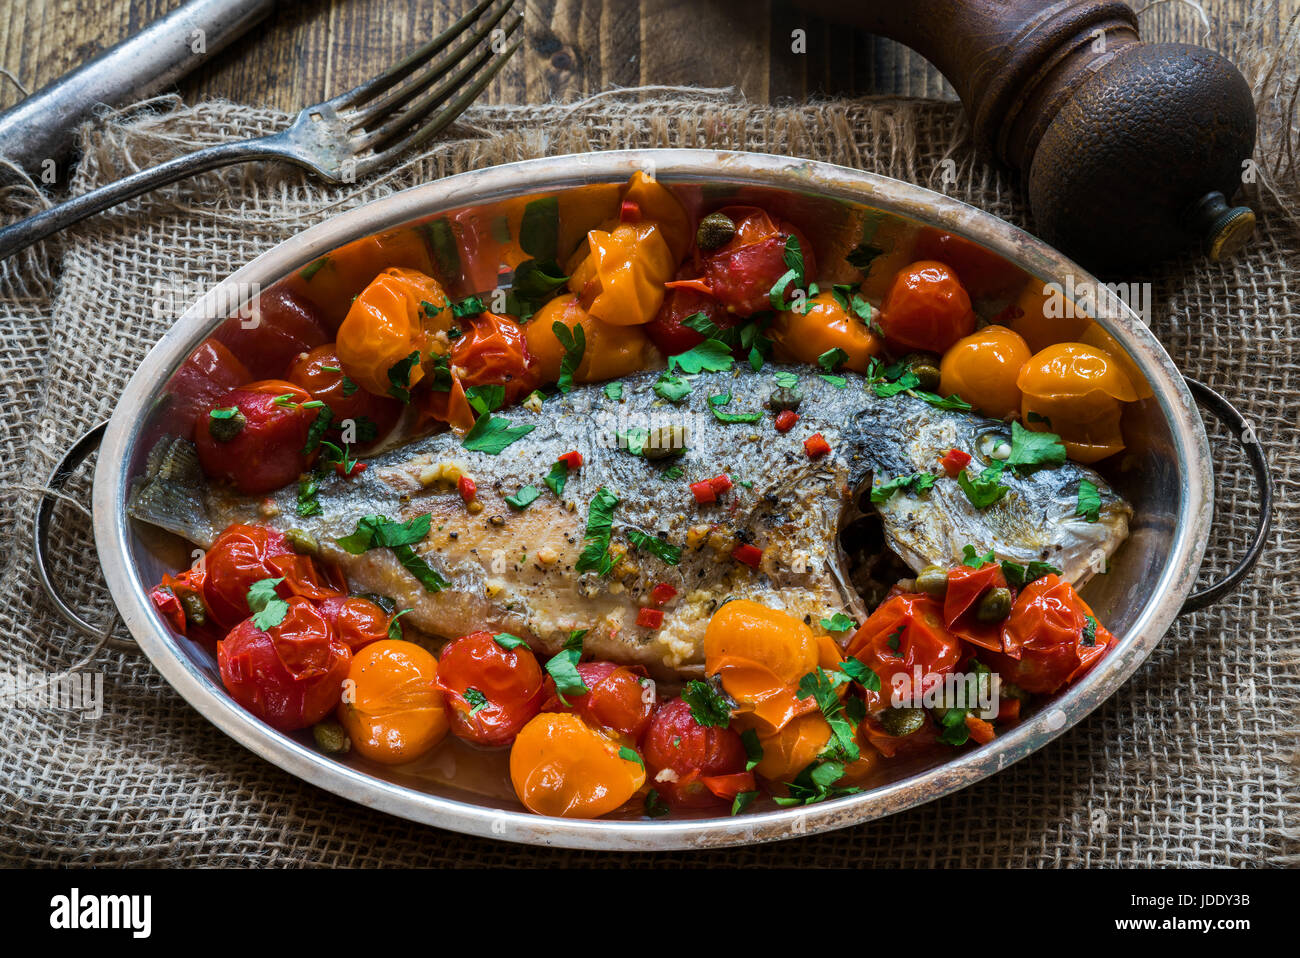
(689, 764)
(245, 554)
(290, 675)
(491, 691)
(268, 338)
(618, 699)
(926, 308)
(1051, 638)
(209, 373)
(966, 586)
(256, 436)
(667, 331)
(741, 273)
(985, 274)
(493, 350)
(905, 632)
(355, 619)
(321, 373)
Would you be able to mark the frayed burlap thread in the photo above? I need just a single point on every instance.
(1189, 764)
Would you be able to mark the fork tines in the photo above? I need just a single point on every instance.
(386, 116)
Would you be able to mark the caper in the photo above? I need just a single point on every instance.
(226, 428)
(783, 398)
(994, 605)
(925, 367)
(716, 230)
(302, 542)
(899, 722)
(330, 737)
(664, 441)
(196, 613)
(932, 580)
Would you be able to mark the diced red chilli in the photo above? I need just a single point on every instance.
(703, 492)
(750, 555)
(816, 446)
(954, 461)
(786, 419)
(468, 490)
(649, 618)
(357, 469)
(720, 484)
(571, 460)
(662, 593)
(629, 212)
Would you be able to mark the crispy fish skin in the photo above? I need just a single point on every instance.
(514, 570)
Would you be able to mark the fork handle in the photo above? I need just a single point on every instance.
(24, 233)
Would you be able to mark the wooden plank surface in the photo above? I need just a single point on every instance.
(311, 49)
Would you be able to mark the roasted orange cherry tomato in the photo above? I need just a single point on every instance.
(903, 634)
(621, 281)
(263, 446)
(804, 337)
(789, 751)
(561, 766)
(388, 322)
(394, 711)
(320, 372)
(611, 352)
(692, 765)
(491, 691)
(985, 274)
(760, 654)
(1077, 392)
(493, 350)
(926, 308)
(965, 587)
(355, 620)
(1051, 638)
(1038, 317)
(659, 205)
(618, 699)
(245, 554)
(291, 675)
(741, 274)
(982, 368)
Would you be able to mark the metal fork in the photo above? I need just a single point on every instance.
(341, 139)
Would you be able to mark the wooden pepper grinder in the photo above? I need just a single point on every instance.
(1129, 151)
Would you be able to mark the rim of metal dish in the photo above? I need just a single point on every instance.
(112, 528)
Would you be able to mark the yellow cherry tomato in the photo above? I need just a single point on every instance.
(621, 281)
(560, 765)
(396, 711)
(388, 322)
(611, 351)
(1076, 391)
(1039, 316)
(982, 368)
(660, 206)
(794, 747)
(760, 654)
(804, 337)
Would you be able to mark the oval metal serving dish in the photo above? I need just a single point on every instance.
(1166, 477)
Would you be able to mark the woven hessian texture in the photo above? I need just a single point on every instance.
(1190, 763)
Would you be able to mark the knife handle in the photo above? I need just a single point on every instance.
(1129, 151)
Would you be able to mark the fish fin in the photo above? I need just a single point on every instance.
(171, 494)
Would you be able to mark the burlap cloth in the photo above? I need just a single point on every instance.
(1190, 763)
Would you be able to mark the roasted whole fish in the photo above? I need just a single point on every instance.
(514, 569)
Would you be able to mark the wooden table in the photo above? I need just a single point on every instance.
(311, 49)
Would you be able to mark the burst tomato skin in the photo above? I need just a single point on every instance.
(357, 621)
(511, 680)
(320, 372)
(493, 350)
(245, 554)
(906, 632)
(268, 340)
(690, 752)
(926, 308)
(268, 452)
(618, 699)
(290, 675)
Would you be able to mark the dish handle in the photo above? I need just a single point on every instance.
(1227, 414)
(59, 477)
